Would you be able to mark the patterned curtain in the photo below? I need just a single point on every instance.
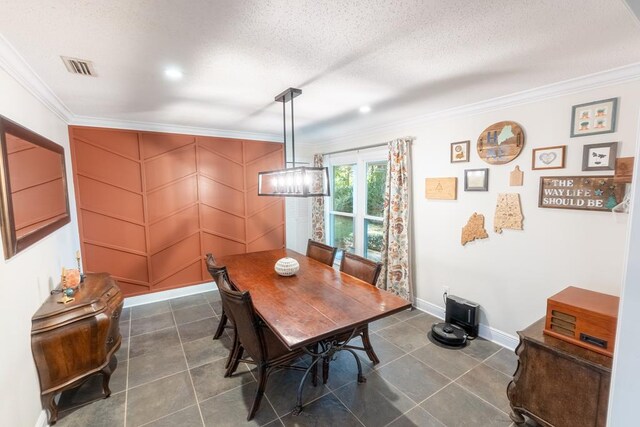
(317, 209)
(396, 275)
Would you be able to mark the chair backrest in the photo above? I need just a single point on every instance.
(239, 308)
(216, 271)
(320, 252)
(362, 268)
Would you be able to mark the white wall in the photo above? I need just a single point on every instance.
(297, 223)
(626, 376)
(512, 274)
(25, 279)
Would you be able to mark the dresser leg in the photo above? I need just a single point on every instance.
(49, 403)
(516, 416)
(106, 376)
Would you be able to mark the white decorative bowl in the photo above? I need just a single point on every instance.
(287, 266)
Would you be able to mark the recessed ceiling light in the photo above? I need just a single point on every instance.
(365, 109)
(173, 73)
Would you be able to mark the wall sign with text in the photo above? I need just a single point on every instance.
(592, 193)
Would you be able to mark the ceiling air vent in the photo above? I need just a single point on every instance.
(79, 66)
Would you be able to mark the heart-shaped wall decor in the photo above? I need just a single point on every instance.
(547, 158)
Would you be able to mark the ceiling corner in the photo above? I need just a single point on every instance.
(16, 66)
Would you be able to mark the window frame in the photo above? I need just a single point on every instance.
(360, 159)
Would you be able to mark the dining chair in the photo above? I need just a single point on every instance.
(216, 272)
(263, 347)
(320, 252)
(367, 271)
(361, 268)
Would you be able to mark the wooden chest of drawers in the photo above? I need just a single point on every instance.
(73, 341)
(558, 383)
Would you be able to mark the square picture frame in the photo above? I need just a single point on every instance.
(476, 179)
(460, 151)
(599, 157)
(594, 118)
(548, 157)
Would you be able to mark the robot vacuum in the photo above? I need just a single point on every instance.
(449, 335)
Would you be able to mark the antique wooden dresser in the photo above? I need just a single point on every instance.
(558, 383)
(73, 341)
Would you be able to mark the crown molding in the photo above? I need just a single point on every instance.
(169, 128)
(18, 68)
(611, 77)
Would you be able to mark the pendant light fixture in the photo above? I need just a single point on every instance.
(300, 181)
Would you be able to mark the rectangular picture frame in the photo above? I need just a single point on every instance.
(599, 157)
(548, 157)
(460, 151)
(585, 192)
(476, 179)
(594, 118)
(441, 188)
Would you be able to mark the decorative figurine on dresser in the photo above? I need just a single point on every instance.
(74, 335)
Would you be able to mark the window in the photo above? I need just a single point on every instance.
(355, 209)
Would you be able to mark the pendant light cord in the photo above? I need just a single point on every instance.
(293, 137)
(284, 130)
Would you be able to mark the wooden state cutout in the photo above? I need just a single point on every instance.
(441, 188)
(474, 229)
(516, 177)
(508, 213)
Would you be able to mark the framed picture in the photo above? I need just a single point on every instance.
(599, 157)
(548, 157)
(460, 151)
(476, 179)
(594, 118)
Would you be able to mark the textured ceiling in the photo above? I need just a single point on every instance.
(404, 58)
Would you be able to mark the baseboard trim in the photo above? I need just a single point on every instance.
(172, 293)
(42, 419)
(487, 332)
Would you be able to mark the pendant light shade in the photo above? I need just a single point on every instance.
(301, 181)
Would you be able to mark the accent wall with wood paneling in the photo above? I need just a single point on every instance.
(150, 205)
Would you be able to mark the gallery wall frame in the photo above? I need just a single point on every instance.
(476, 179)
(599, 157)
(594, 118)
(548, 157)
(460, 151)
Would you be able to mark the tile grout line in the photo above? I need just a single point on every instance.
(454, 381)
(215, 316)
(165, 416)
(195, 394)
(348, 409)
(451, 381)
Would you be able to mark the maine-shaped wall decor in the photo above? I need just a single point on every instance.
(508, 213)
(500, 143)
(474, 229)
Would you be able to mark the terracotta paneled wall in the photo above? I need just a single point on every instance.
(37, 185)
(151, 204)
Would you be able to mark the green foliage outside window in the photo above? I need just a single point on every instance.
(343, 188)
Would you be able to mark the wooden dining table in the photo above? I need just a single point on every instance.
(312, 306)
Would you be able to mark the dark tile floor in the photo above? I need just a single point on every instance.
(170, 373)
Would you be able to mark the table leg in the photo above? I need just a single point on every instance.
(361, 378)
(298, 407)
